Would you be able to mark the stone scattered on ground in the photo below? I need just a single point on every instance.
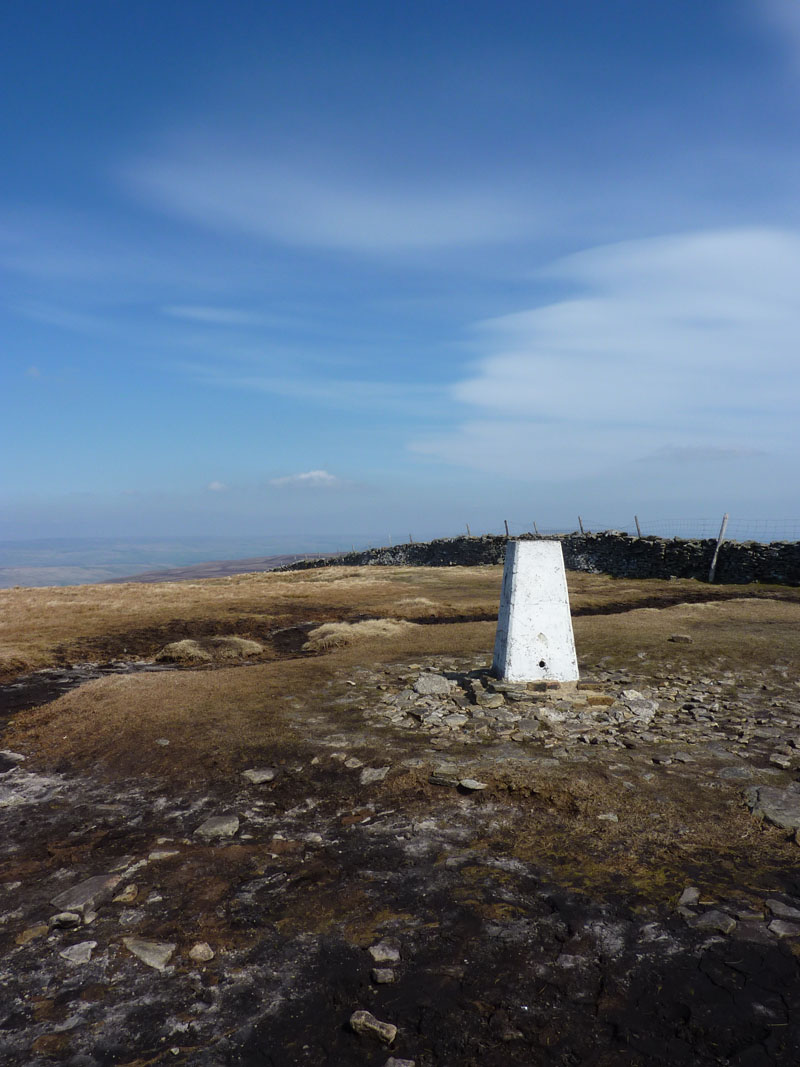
(260, 775)
(384, 953)
(365, 1024)
(373, 774)
(87, 895)
(780, 806)
(472, 785)
(128, 894)
(783, 929)
(31, 933)
(218, 826)
(717, 921)
(429, 685)
(783, 911)
(65, 920)
(202, 952)
(156, 954)
(80, 953)
(432, 870)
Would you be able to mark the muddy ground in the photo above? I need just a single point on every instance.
(507, 875)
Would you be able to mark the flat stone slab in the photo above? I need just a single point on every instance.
(781, 807)
(429, 685)
(218, 826)
(80, 953)
(783, 911)
(782, 929)
(260, 775)
(715, 921)
(373, 774)
(156, 954)
(87, 895)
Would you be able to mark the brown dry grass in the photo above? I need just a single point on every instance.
(340, 634)
(219, 720)
(43, 627)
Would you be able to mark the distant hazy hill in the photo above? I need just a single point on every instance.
(220, 568)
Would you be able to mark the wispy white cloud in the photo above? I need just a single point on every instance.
(307, 480)
(216, 316)
(217, 487)
(687, 341)
(319, 207)
(691, 454)
(781, 19)
(343, 393)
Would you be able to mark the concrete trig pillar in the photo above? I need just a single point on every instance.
(534, 628)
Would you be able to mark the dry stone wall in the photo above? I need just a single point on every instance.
(611, 552)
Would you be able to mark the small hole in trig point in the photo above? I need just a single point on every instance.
(542, 663)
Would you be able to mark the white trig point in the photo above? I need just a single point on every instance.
(534, 628)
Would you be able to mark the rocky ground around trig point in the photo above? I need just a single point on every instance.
(444, 870)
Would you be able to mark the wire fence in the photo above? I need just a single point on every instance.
(761, 530)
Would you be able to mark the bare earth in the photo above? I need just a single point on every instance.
(517, 855)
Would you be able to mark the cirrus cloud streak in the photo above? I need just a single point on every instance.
(664, 344)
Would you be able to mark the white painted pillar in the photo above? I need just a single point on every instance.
(534, 628)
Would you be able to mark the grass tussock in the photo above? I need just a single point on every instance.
(190, 653)
(183, 652)
(340, 634)
(234, 648)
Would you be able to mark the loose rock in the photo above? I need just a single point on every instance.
(156, 954)
(260, 775)
(31, 933)
(87, 895)
(128, 895)
(373, 774)
(218, 826)
(778, 806)
(783, 911)
(432, 685)
(202, 952)
(65, 919)
(365, 1024)
(472, 785)
(384, 953)
(783, 929)
(717, 921)
(80, 953)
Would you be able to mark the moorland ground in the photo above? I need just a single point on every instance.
(535, 912)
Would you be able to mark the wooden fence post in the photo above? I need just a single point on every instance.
(506, 522)
(580, 523)
(638, 527)
(536, 529)
(468, 533)
(720, 539)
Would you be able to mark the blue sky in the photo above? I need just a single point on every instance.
(392, 267)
